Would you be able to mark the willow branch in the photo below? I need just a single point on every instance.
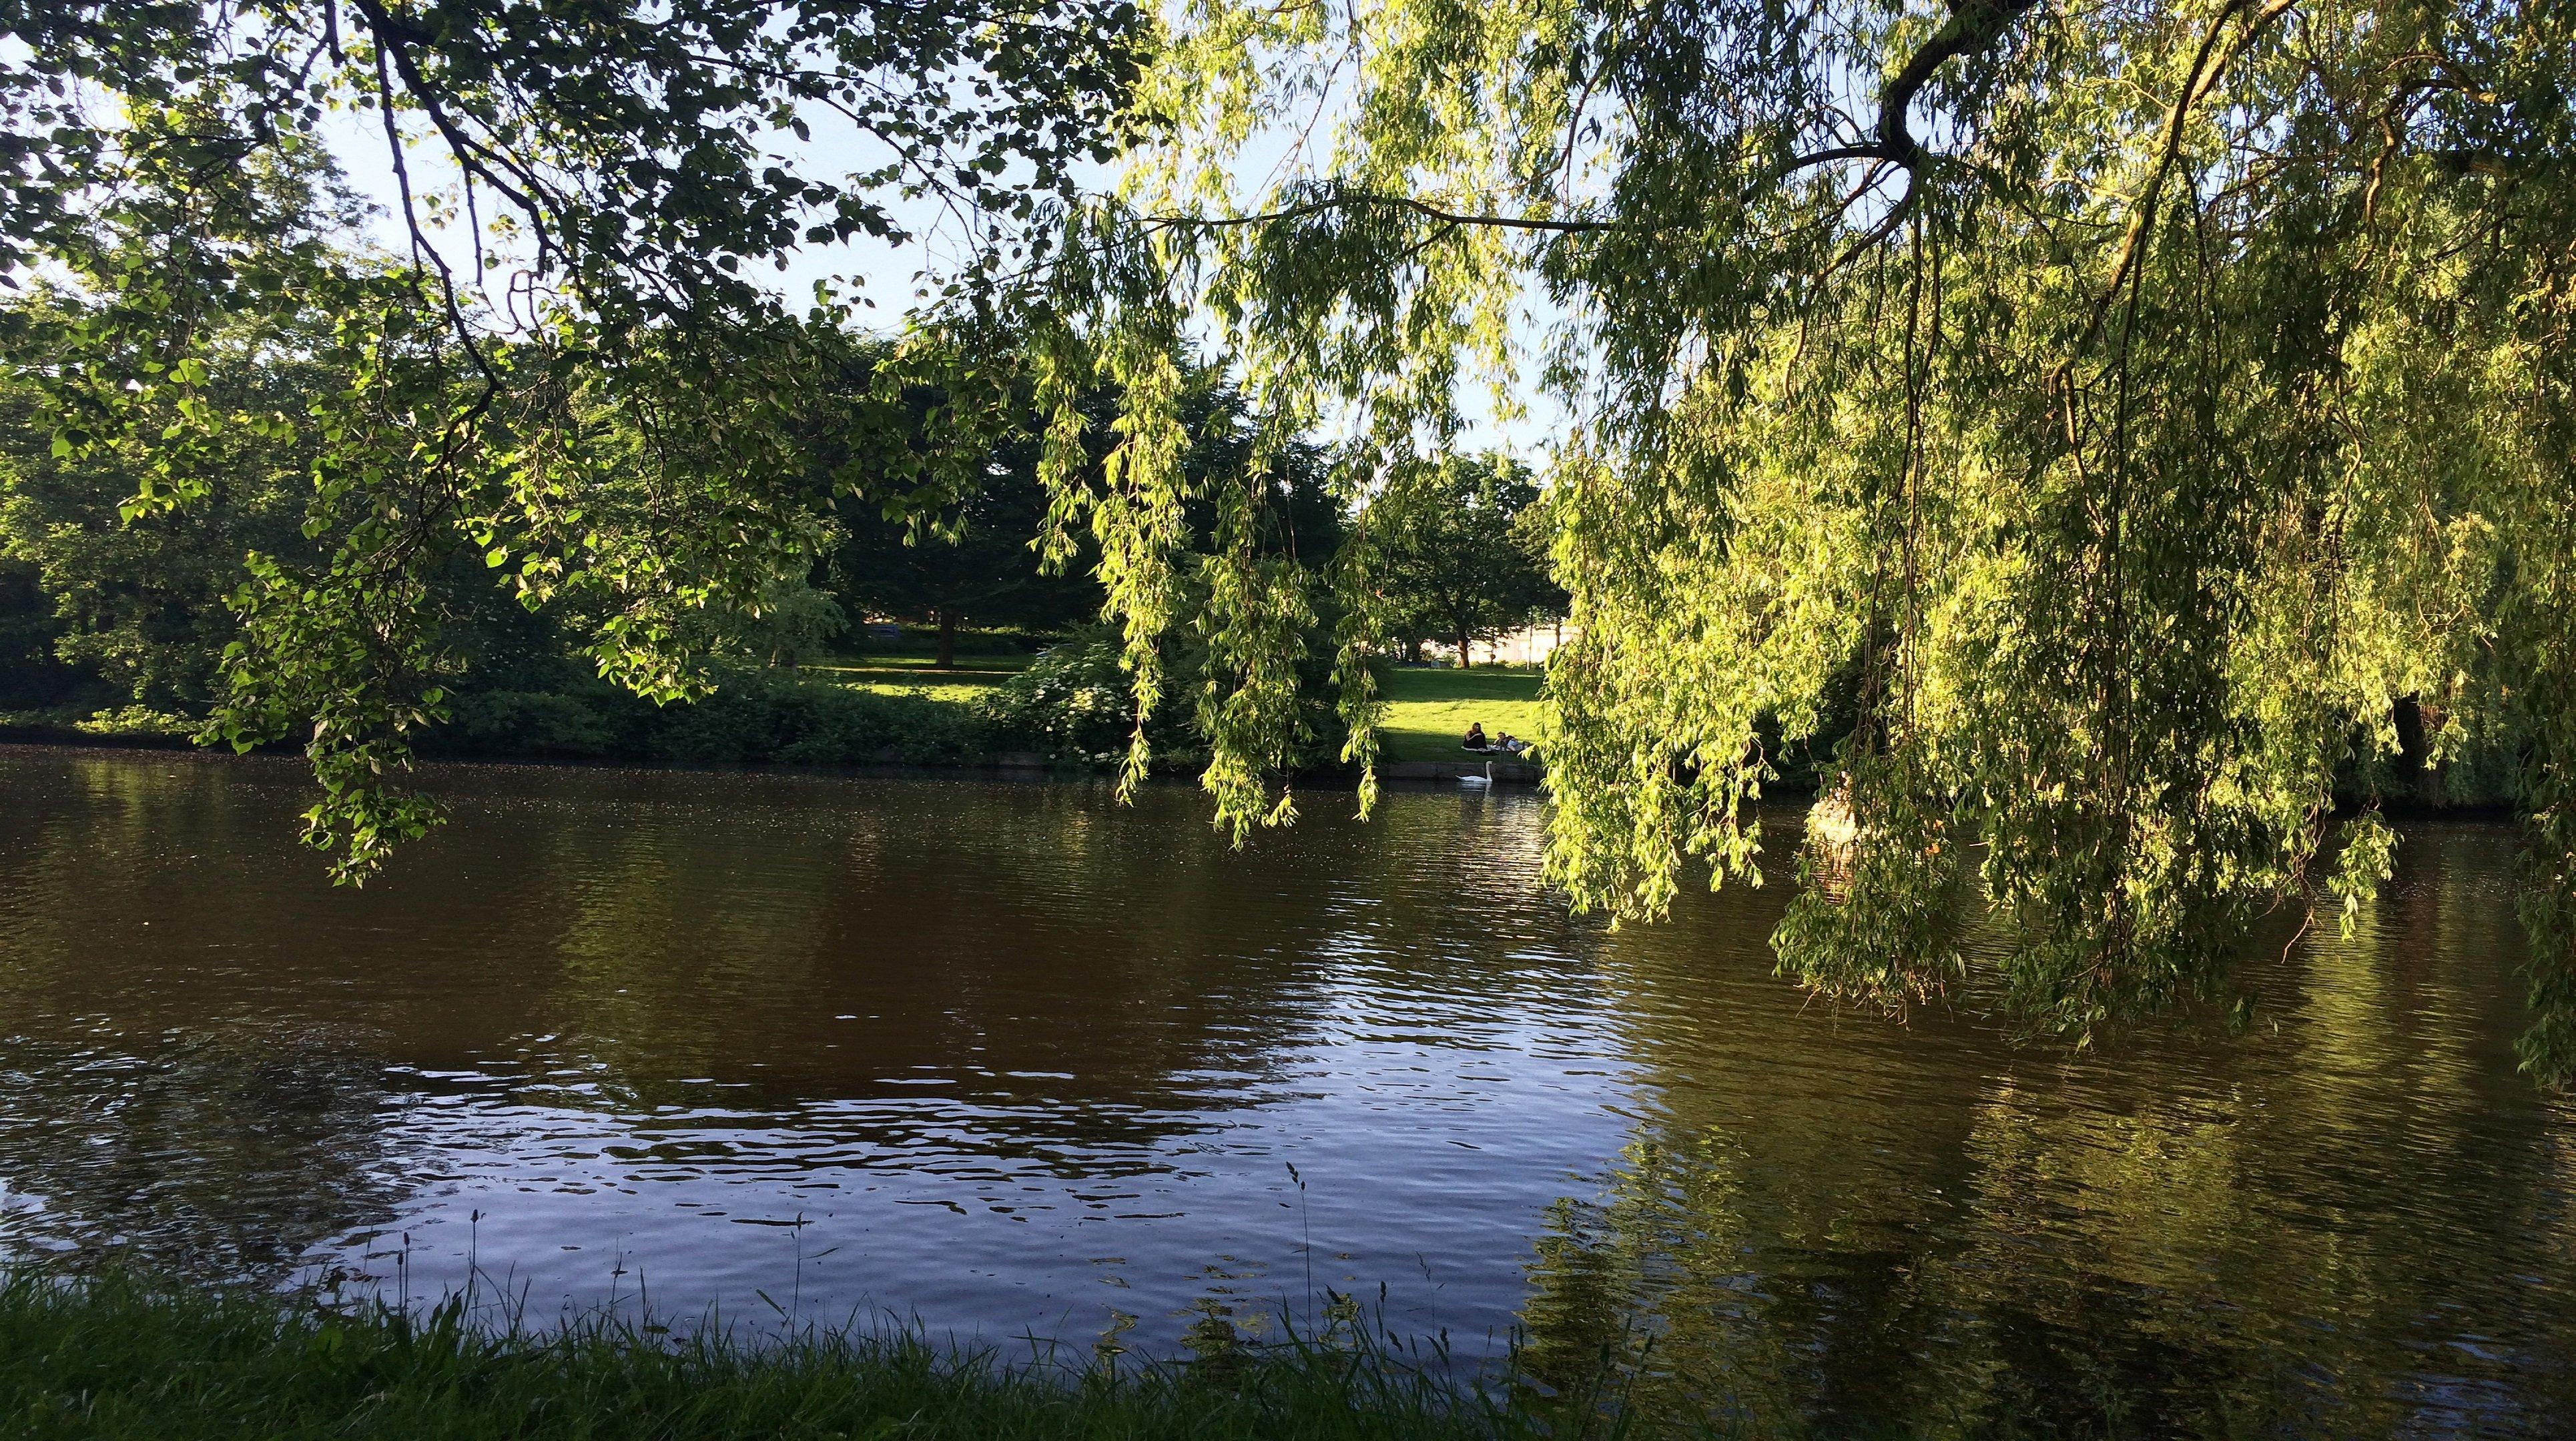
(2206, 67)
(1973, 27)
(1341, 199)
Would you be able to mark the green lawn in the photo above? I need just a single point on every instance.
(890, 674)
(1427, 714)
(1428, 711)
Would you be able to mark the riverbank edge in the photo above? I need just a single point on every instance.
(115, 1356)
(1014, 764)
(1030, 765)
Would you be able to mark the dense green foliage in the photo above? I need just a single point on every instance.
(125, 620)
(973, 562)
(1458, 559)
(2124, 408)
(1073, 703)
(137, 604)
(114, 1359)
(567, 376)
(746, 716)
(138, 613)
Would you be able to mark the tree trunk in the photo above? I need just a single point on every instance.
(2419, 724)
(947, 640)
(1464, 658)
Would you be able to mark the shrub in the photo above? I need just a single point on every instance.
(581, 724)
(775, 716)
(1071, 705)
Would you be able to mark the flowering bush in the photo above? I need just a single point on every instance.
(1072, 705)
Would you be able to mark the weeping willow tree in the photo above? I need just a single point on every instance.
(2138, 397)
(2111, 409)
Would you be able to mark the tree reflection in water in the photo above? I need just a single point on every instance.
(226, 1151)
(1012, 1060)
(2354, 1218)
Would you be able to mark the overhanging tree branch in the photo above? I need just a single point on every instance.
(1340, 199)
(2207, 65)
(1972, 28)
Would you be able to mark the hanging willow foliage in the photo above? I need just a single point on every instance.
(2115, 405)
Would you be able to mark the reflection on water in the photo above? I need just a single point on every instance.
(1011, 1061)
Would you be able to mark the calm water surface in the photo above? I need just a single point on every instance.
(1012, 1063)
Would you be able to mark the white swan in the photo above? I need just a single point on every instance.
(1479, 782)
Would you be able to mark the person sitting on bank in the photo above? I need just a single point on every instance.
(1510, 743)
(1476, 738)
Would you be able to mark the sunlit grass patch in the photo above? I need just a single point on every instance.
(973, 676)
(1428, 711)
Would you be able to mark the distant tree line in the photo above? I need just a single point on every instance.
(115, 616)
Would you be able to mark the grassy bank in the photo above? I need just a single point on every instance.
(836, 711)
(121, 1359)
(973, 676)
(1428, 711)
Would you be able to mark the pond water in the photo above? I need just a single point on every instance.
(1017, 1065)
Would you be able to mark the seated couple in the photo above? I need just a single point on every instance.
(1507, 743)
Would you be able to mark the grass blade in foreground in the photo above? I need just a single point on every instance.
(116, 1357)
